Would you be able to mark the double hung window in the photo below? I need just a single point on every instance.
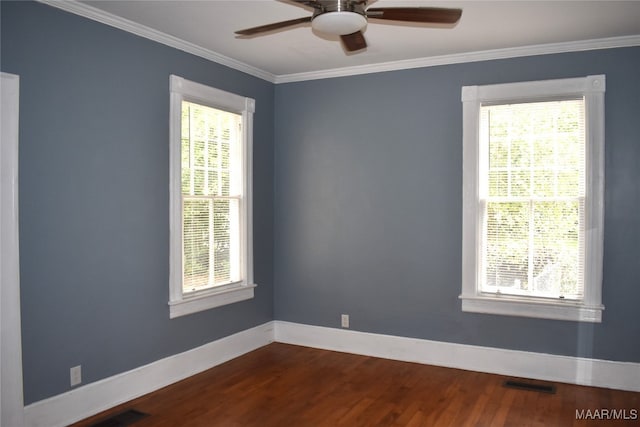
(210, 161)
(533, 198)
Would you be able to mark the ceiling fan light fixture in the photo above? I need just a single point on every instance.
(339, 23)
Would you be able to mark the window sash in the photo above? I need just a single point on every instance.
(536, 284)
(211, 178)
(528, 149)
(213, 272)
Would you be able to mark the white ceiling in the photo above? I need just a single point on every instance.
(485, 27)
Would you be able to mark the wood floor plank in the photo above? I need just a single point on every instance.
(285, 385)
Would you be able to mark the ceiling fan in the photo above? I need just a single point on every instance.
(347, 19)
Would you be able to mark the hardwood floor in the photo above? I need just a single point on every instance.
(284, 385)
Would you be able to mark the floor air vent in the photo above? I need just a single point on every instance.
(122, 419)
(525, 385)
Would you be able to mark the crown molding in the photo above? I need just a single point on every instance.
(486, 55)
(112, 20)
(98, 15)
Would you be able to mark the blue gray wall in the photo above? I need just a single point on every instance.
(369, 205)
(94, 216)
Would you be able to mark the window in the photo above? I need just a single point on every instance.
(210, 197)
(533, 184)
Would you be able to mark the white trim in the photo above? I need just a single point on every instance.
(179, 303)
(195, 304)
(96, 14)
(211, 96)
(547, 367)
(88, 400)
(461, 58)
(589, 309)
(11, 394)
(514, 306)
(112, 20)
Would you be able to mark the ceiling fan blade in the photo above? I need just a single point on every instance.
(435, 15)
(354, 41)
(312, 3)
(271, 27)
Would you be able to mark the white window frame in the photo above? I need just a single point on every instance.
(590, 308)
(181, 303)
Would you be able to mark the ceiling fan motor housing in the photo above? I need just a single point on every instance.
(340, 17)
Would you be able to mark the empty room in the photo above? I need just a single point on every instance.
(320, 213)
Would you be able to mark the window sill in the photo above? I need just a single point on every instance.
(214, 298)
(514, 306)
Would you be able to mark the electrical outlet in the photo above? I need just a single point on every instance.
(75, 374)
(345, 320)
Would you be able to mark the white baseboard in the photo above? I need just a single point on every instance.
(93, 398)
(88, 400)
(547, 367)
